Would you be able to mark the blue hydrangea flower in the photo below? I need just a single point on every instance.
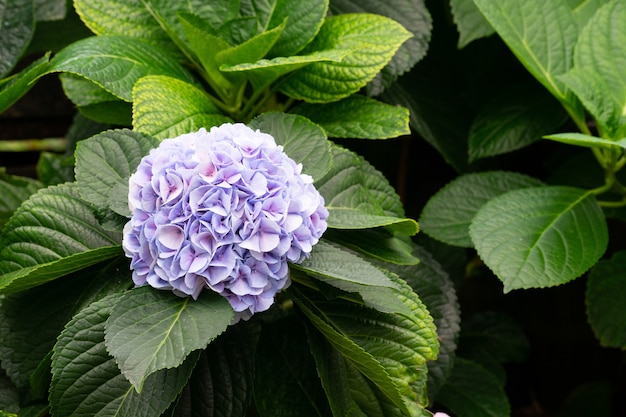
(224, 209)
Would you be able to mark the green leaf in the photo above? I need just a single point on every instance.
(579, 139)
(304, 141)
(166, 107)
(265, 71)
(448, 214)
(14, 191)
(542, 35)
(378, 243)
(372, 41)
(105, 162)
(14, 88)
(9, 395)
(87, 381)
(402, 343)
(358, 117)
(304, 20)
(470, 23)
(437, 292)
(115, 63)
(597, 77)
(123, 17)
(514, 119)
(285, 380)
(30, 333)
(51, 234)
(541, 236)
(358, 196)
(49, 10)
(472, 391)
(414, 16)
(606, 292)
(223, 377)
(17, 24)
(150, 330)
(95, 102)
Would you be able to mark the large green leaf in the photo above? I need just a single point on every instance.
(14, 191)
(598, 78)
(304, 141)
(49, 9)
(17, 23)
(150, 330)
(12, 89)
(122, 17)
(105, 161)
(87, 381)
(285, 380)
(436, 290)
(51, 234)
(116, 62)
(167, 107)
(515, 118)
(372, 41)
(358, 117)
(222, 380)
(9, 395)
(470, 23)
(542, 35)
(95, 102)
(580, 139)
(358, 196)
(413, 15)
(402, 343)
(304, 20)
(379, 243)
(540, 236)
(472, 391)
(606, 293)
(448, 214)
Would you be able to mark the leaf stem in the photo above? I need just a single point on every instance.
(34, 145)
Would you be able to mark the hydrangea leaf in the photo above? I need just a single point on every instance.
(514, 232)
(542, 45)
(470, 23)
(17, 24)
(13, 88)
(115, 63)
(304, 141)
(358, 117)
(606, 292)
(106, 160)
(359, 197)
(150, 330)
(167, 107)
(472, 390)
(14, 191)
(9, 395)
(448, 214)
(413, 15)
(403, 343)
(285, 382)
(437, 292)
(597, 77)
(349, 392)
(87, 381)
(123, 17)
(222, 379)
(303, 23)
(514, 119)
(51, 234)
(378, 243)
(580, 139)
(48, 10)
(95, 102)
(372, 41)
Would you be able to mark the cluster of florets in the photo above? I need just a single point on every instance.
(226, 210)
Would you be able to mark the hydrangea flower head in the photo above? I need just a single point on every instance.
(225, 209)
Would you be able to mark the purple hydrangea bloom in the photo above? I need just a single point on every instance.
(225, 210)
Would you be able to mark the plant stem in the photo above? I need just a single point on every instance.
(34, 145)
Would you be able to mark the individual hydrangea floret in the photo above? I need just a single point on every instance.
(225, 209)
